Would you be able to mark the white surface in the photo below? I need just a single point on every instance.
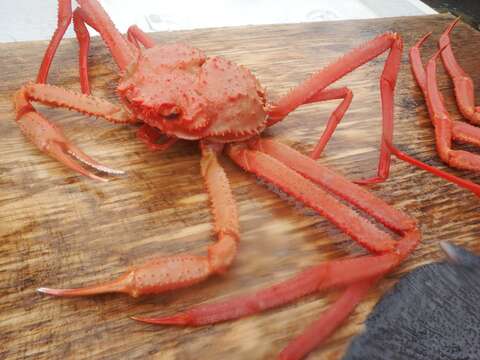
(22, 20)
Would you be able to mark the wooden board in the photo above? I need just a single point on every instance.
(60, 229)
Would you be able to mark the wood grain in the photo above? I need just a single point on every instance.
(59, 229)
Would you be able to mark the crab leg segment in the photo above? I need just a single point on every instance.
(83, 38)
(63, 21)
(49, 137)
(349, 62)
(335, 183)
(463, 83)
(331, 94)
(330, 320)
(115, 41)
(355, 273)
(172, 272)
(446, 129)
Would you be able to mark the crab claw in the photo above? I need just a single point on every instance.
(50, 139)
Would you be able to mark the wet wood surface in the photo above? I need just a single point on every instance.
(60, 229)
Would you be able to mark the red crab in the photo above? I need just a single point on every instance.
(179, 92)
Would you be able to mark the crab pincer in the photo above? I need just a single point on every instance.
(49, 137)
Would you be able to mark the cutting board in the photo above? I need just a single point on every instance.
(60, 229)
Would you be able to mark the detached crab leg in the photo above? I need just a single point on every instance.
(49, 137)
(463, 83)
(446, 129)
(63, 21)
(172, 272)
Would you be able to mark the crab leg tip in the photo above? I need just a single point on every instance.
(48, 291)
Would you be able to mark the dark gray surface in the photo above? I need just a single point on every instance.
(432, 313)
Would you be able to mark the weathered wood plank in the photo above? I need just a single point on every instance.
(63, 230)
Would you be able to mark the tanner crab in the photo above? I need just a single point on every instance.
(178, 92)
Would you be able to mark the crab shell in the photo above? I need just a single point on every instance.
(180, 91)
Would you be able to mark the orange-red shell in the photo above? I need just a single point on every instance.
(177, 89)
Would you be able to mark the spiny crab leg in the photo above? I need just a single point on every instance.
(118, 45)
(443, 124)
(347, 63)
(277, 169)
(99, 20)
(63, 21)
(49, 137)
(83, 38)
(463, 84)
(172, 272)
(446, 129)
(335, 117)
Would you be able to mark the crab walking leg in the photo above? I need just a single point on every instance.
(340, 68)
(335, 183)
(323, 327)
(64, 18)
(83, 38)
(49, 137)
(119, 47)
(172, 272)
(136, 34)
(336, 116)
(325, 276)
(463, 84)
